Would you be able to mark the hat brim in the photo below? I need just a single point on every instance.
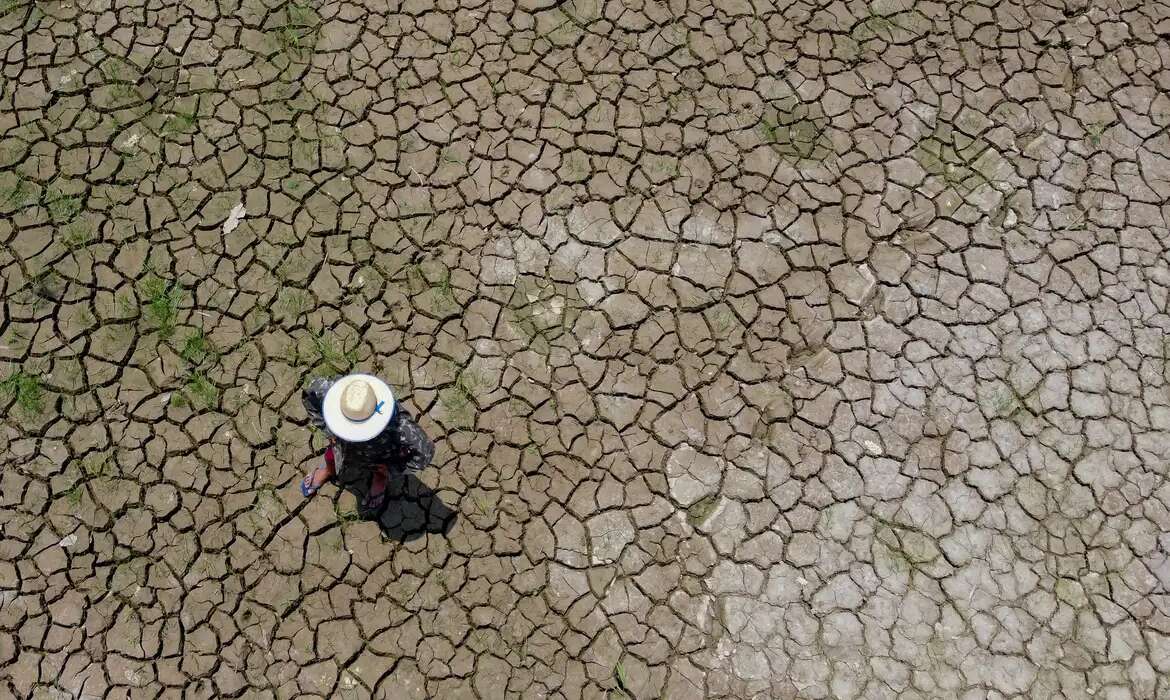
(357, 431)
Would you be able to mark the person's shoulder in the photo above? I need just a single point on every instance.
(401, 412)
(320, 384)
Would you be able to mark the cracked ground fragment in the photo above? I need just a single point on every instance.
(773, 350)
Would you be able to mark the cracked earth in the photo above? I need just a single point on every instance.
(771, 350)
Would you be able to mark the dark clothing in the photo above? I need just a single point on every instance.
(402, 446)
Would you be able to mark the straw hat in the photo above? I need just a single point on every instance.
(357, 407)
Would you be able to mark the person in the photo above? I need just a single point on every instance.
(367, 430)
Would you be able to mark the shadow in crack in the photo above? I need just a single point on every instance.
(411, 508)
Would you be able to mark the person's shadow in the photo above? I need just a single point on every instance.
(411, 509)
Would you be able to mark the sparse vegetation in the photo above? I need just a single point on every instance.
(900, 547)
(447, 156)
(454, 402)
(439, 285)
(18, 194)
(874, 25)
(1004, 404)
(76, 235)
(198, 392)
(796, 130)
(292, 302)
(623, 681)
(294, 266)
(444, 290)
(698, 511)
(162, 298)
(846, 49)
(540, 312)
(345, 517)
(575, 166)
(722, 321)
(960, 161)
(890, 558)
(333, 540)
(125, 304)
(7, 6)
(882, 24)
(333, 353)
(410, 142)
(123, 88)
(525, 322)
(459, 398)
(97, 464)
(416, 281)
(70, 371)
(296, 35)
(518, 408)
(16, 339)
(62, 208)
(660, 167)
(1093, 133)
(73, 495)
(468, 383)
(86, 317)
(481, 505)
(179, 122)
(567, 31)
(197, 348)
(44, 286)
(26, 390)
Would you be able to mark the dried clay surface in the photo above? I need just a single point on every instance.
(809, 349)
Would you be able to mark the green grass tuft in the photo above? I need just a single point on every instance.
(481, 505)
(197, 348)
(162, 303)
(19, 194)
(63, 208)
(297, 34)
(123, 86)
(292, 302)
(97, 464)
(180, 123)
(198, 392)
(332, 352)
(7, 6)
(76, 235)
(468, 384)
(1093, 133)
(27, 391)
(623, 681)
(461, 397)
(345, 518)
(73, 495)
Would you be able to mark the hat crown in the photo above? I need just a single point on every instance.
(358, 400)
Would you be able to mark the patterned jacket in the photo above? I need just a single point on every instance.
(402, 446)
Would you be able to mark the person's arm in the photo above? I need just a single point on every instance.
(417, 448)
(313, 397)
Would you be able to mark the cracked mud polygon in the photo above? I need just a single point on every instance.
(771, 349)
